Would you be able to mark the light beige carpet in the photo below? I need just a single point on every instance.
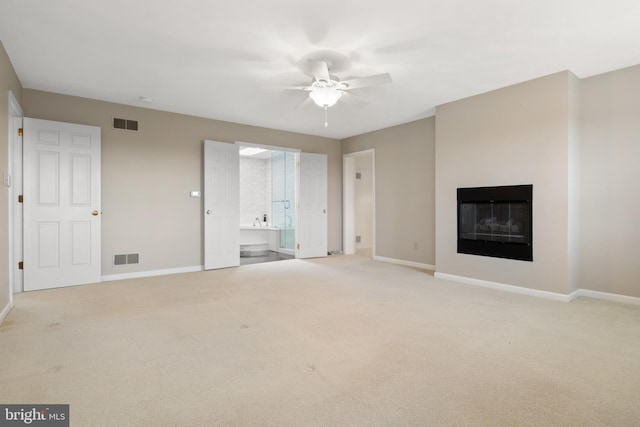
(341, 341)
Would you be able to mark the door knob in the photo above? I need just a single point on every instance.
(208, 212)
(94, 213)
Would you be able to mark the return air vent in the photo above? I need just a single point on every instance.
(123, 259)
(125, 124)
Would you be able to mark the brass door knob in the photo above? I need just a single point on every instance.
(94, 213)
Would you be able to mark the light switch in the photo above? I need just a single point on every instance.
(6, 178)
(195, 194)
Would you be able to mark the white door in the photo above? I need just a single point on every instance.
(61, 204)
(312, 213)
(221, 205)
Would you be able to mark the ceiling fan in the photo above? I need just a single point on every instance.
(326, 90)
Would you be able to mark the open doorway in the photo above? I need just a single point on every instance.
(267, 204)
(305, 215)
(359, 203)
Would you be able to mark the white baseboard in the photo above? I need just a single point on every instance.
(403, 262)
(5, 311)
(151, 273)
(624, 299)
(538, 293)
(502, 287)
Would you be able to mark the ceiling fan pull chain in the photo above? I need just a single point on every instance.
(326, 113)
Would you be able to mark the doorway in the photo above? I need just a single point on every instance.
(62, 207)
(267, 204)
(222, 206)
(359, 203)
(55, 228)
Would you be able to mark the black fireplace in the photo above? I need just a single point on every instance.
(496, 221)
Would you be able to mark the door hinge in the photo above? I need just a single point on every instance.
(21, 265)
(298, 246)
(20, 198)
(20, 131)
(298, 163)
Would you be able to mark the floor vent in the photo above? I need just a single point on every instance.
(125, 124)
(123, 259)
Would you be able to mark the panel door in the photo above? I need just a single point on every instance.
(312, 198)
(221, 205)
(62, 219)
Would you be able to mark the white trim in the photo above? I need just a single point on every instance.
(573, 295)
(624, 299)
(348, 211)
(150, 273)
(5, 311)
(14, 143)
(14, 105)
(406, 263)
(507, 288)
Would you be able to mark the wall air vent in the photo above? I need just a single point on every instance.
(125, 124)
(119, 259)
(123, 259)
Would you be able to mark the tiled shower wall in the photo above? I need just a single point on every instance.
(255, 189)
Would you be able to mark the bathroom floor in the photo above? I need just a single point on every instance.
(271, 256)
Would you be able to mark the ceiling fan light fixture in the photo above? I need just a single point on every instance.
(325, 97)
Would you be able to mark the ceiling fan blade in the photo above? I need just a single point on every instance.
(376, 80)
(350, 99)
(319, 69)
(307, 101)
(296, 87)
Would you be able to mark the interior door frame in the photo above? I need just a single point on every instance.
(14, 175)
(348, 200)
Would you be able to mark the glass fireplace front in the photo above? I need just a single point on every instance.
(496, 221)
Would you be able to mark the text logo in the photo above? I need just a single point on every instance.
(34, 415)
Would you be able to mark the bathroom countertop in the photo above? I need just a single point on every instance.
(251, 227)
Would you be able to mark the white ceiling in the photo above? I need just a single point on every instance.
(228, 60)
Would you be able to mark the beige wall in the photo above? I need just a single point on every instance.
(8, 82)
(515, 135)
(147, 176)
(404, 175)
(611, 182)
